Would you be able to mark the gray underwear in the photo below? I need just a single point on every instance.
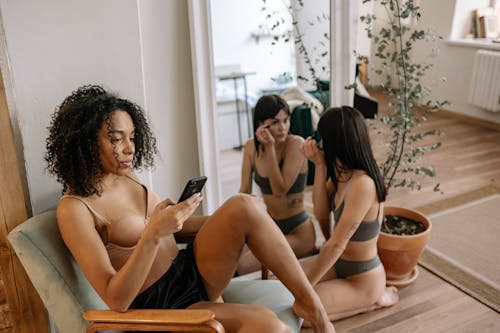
(346, 268)
(292, 222)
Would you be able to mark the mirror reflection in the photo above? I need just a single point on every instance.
(261, 48)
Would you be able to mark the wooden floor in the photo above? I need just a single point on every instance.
(468, 159)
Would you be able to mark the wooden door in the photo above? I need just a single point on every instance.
(26, 313)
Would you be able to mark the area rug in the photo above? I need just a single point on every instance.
(464, 246)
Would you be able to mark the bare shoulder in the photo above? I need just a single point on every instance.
(362, 183)
(295, 139)
(249, 145)
(293, 143)
(249, 149)
(72, 212)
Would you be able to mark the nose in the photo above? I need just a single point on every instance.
(283, 125)
(129, 147)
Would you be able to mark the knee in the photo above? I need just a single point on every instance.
(268, 321)
(242, 205)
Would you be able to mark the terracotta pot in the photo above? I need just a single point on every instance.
(400, 254)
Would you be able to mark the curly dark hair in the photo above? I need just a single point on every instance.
(72, 145)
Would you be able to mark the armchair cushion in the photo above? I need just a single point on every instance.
(67, 294)
(268, 293)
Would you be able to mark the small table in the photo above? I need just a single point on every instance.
(235, 76)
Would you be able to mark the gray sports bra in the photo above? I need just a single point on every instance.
(366, 230)
(265, 186)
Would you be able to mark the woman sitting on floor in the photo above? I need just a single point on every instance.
(347, 272)
(278, 167)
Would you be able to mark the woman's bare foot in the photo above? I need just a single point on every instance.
(316, 317)
(389, 297)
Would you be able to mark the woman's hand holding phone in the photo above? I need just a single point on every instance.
(194, 185)
(169, 217)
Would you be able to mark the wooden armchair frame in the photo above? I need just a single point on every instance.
(153, 320)
(58, 279)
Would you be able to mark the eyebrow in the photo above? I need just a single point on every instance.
(122, 132)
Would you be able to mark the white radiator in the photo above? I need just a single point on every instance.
(484, 90)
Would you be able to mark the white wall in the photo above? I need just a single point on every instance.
(363, 43)
(168, 82)
(453, 63)
(55, 46)
(233, 22)
(313, 26)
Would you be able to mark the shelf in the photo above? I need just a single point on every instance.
(478, 43)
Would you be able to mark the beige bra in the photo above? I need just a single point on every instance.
(117, 254)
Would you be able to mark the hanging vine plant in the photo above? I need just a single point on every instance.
(409, 102)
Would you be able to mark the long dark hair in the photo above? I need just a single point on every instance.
(73, 154)
(346, 139)
(267, 107)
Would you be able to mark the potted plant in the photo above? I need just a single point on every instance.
(405, 232)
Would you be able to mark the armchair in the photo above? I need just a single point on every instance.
(74, 306)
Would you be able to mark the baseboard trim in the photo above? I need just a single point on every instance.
(469, 119)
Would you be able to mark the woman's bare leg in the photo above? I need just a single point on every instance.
(247, 263)
(302, 240)
(244, 318)
(364, 292)
(218, 245)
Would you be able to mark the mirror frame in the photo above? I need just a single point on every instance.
(343, 26)
(200, 28)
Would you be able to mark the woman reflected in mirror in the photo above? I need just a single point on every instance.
(273, 160)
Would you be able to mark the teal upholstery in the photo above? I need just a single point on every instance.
(66, 293)
(268, 293)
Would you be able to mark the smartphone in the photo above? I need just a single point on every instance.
(319, 144)
(193, 186)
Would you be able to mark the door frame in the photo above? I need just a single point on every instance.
(26, 311)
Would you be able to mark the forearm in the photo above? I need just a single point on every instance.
(246, 182)
(320, 193)
(193, 224)
(245, 189)
(326, 258)
(276, 180)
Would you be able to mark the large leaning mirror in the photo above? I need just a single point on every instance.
(243, 49)
(263, 47)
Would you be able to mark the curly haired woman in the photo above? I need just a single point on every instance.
(121, 233)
